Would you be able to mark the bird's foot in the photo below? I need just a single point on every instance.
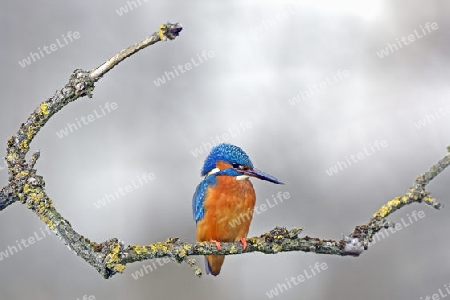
(244, 243)
(217, 244)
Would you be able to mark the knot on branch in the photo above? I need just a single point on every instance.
(81, 83)
(180, 251)
(113, 250)
(353, 246)
(364, 233)
(275, 240)
(36, 198)
(175, 249)
(280, 234)
(169, 31)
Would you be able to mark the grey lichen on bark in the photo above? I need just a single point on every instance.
(111, 256)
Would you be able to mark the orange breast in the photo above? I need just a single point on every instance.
(228, 210)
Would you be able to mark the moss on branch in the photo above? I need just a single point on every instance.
(111, 256)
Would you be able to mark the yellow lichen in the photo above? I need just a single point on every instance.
(382, 212)
(162, 32)
(112, 258)
(12, 156)
(42, 207)
(394, 204)
(24, 145)
(21, 174)
(44, 108)
(182, 253)
(119, 268)
(31, 131)
(140, 250)
(277, 248)
(48, 222)
(158, 247)
(38, 196)
(429, 200)
(115, 248)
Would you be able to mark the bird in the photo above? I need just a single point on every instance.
(224, 200)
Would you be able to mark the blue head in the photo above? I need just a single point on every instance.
(227, 153)
(238, 159)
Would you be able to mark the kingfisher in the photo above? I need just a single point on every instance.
(224, 200)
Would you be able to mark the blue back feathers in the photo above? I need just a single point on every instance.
(200, 192)
(199, 197)
(227, 153)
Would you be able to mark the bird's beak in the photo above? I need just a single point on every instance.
(261, 175)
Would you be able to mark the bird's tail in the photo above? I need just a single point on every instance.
(213, 263)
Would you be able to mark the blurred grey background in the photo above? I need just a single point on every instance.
(266, 54)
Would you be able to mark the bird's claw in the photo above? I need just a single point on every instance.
(244, 243)
(217, 244)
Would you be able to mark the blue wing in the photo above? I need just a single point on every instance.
(198, 199)
(200, 195)
(200, 192)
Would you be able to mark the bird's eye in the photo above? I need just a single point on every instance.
(237, 166)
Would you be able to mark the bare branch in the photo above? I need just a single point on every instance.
(166, 31)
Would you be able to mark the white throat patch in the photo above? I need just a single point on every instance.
(215, 170)
(242, 177)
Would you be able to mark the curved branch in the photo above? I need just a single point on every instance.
(110, 257)
(166, 31)
(81, 83)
